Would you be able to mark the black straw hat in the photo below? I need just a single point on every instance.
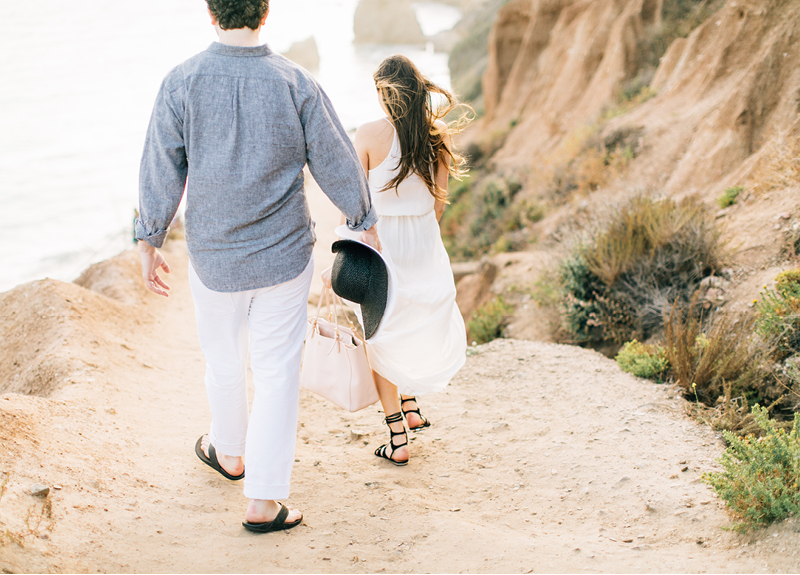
(360, 275)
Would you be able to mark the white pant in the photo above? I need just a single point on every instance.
(274, 318)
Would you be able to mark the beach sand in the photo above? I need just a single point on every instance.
(541, 457)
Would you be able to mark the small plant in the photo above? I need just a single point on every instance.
(779, 313)
(643, 360)
(629, 98)
(728, 197)
(651, 254)
(580, 307)
(761, 474)
(489, 320)
(705, 353)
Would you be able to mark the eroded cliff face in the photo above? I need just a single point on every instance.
(722, 94)
(732, 87)
(555, 64)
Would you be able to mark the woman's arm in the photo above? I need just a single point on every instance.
(442, 174)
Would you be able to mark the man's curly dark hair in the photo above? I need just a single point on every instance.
(234, 14)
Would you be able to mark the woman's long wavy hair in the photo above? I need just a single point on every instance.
(408, 96)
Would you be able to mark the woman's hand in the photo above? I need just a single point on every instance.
(370, 237)
(326, 277)
(151, 261)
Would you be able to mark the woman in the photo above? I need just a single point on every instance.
(408, 157)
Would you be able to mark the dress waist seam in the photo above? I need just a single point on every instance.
(405, 215)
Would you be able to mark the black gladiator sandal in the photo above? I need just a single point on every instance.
(425, 422)
(381, 451)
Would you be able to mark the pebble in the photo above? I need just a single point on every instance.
(497, 426)
(621, 482)
(39, 490)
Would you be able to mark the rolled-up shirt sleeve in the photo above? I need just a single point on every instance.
(333, 161)
(163, 170)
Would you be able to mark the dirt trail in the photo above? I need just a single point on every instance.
(541, 458)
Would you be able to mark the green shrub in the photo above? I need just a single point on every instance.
(479, 216)
(761, 475)
(643, 360)
(651, 255)
(580, 306)
(489, 320)
(728, 197)
(779, 313)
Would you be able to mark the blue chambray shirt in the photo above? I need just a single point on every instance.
(235, 126)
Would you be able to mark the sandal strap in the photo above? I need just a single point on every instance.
(395, 418)
(414, 399)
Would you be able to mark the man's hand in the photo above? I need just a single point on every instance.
(151, 261)
(370, 237)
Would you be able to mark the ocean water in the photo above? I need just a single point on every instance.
(77, 84)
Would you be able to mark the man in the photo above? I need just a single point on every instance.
(235, 125)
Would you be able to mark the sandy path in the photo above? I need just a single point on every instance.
(542, 458)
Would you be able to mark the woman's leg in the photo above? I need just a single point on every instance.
(413, 419)
(390, 400)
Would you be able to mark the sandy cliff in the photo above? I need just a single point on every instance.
(721, 95)
(720, 108)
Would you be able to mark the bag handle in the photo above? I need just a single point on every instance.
(353, 327)
(332, 314)
(329, 295)
(326, 295)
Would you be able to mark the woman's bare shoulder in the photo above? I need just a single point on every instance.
(376, 131)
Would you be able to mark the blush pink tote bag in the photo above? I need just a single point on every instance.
(335, 363)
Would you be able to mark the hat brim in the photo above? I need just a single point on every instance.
(346, 233)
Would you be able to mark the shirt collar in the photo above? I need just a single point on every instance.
(239, 51)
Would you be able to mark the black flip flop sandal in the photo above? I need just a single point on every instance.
(212, 461)
(277, 524)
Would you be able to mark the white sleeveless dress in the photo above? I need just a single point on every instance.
(423, 342)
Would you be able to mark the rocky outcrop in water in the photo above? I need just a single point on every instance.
(386, 22)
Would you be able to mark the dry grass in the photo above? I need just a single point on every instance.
(731, 413)
(706, 354)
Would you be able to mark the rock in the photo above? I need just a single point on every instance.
(386, 22)
(39, 490)
(462, 269)
(356, 435)
(473, 290)
(499, 425)
(621, 482)
(715, 282)
(304, 53)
